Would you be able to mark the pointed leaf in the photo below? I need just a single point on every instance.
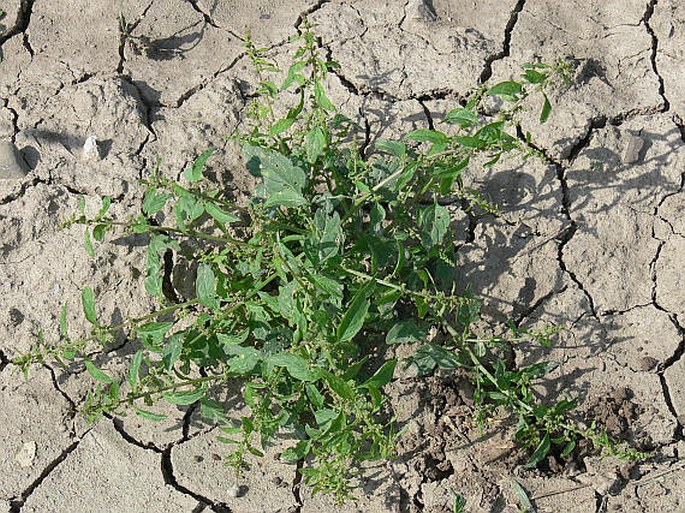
(148, 415)
(88, 243)
(63, 328)
(540, 452)
(154, 201)
(296, 366)
(462, 117)
(184, 398)
(426, 135)
(546, 110)
(134, 369)
(321, 98)
(353, 320)
(97, 373)
(406, 332)
(194, 173)
(205, 286)
(88, 302)
(382, 376)
(508, 90)
(219, 215)
(314, 143)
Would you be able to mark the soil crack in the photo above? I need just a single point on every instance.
(119, 427)
(4, 362)
(309, 11)
(17, 503)
(170, 479)
(506, 44)
(25, 11)
(649, 12)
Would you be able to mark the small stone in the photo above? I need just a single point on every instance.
(421, 10)
(12, 164)
(633, 148)
(90, 149)
(26, 454)
(234, 491)
(647, 363)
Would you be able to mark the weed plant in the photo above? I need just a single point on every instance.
(340, 255)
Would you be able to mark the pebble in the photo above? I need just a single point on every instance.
(27, 454)
(633, 148)
(90, 149)
(12, 164)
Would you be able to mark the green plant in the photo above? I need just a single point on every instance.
(301, 293)
(458, 503)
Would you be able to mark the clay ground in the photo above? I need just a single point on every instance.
(592, 237)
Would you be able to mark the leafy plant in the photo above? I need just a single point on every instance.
(340, 255)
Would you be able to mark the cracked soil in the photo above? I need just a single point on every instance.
(592, 236)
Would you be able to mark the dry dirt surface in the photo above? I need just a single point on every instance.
(592, 237)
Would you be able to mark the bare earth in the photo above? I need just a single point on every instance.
(593, 238)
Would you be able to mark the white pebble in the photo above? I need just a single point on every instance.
(90, 149)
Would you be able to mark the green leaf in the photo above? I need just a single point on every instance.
(244, 359)
(88, 243)
(97, 373)
(540, 452)
(339, 386)
(353, 320)
(187, 209)
(469, 142)
(205, 287)
(534, 77)
(507, 90)
(429, 356)
(106, 202)
(194, 174)
(297, 453)
(234, 339)
(184, 398)
(134, 369)
(154, 201)
(88, 301)
(314, 395)
(314, 143)
(296, 366)
(281, 126)
(546, 109)
(148, 415)
(99, 232)
(434, 221)
(172, 351)
(324, 416)
(406, 332)
(426, 135)
(568, 449)
(154, 332)
(212, 410)
(462, 117)
(321, 98)
(382, 376)
(218, 214)
(294, 74)
(522, 496)
(283, 181)
(323, 242)
(395, 148)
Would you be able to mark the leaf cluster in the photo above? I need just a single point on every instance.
(302, 294)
